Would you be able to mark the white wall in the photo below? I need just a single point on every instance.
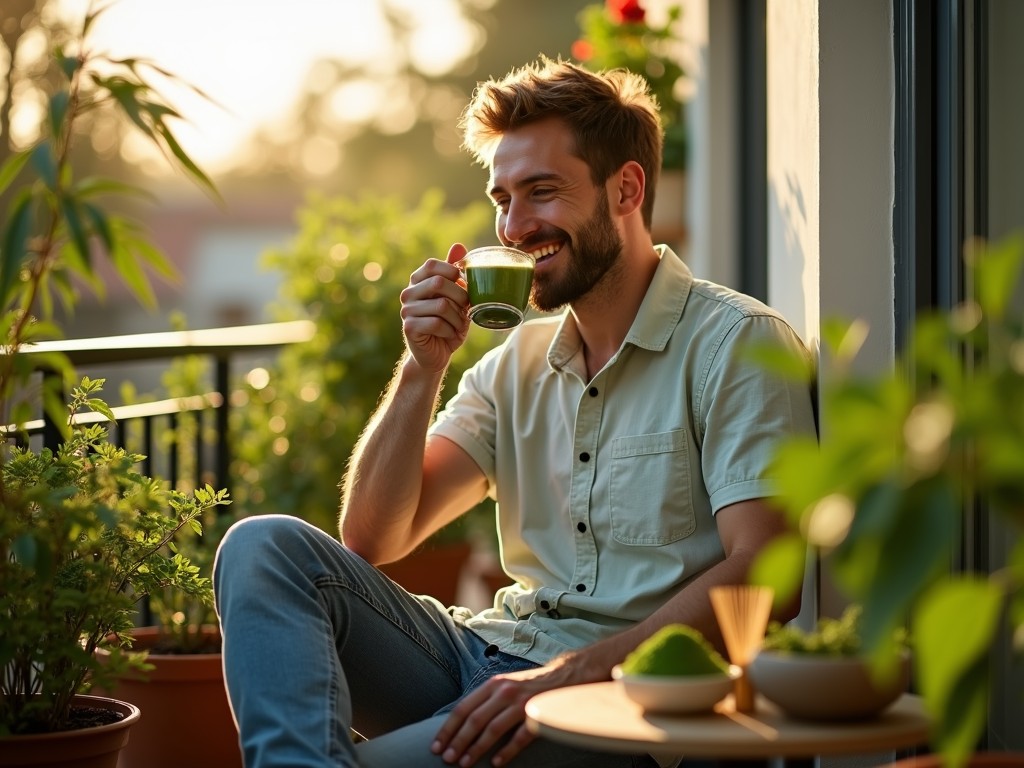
(830, 165)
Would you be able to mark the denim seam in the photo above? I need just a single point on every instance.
(382, 609)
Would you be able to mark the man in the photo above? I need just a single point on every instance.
(626, 441)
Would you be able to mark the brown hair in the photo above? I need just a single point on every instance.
(612, 115)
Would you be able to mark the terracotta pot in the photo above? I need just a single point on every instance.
(186, 719)
(83, 748)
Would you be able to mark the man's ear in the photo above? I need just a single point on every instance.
(627, 189)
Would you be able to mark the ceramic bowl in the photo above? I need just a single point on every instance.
(677, 694)
(814, 687)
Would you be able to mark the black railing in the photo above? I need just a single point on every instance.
(151, 423)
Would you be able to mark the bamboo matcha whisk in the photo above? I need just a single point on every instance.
(742, 612)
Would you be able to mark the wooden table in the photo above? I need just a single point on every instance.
(600, 716)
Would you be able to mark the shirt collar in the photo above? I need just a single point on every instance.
(657, 317)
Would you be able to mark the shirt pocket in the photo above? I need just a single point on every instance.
(650, 489)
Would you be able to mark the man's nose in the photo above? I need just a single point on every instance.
(517, 223)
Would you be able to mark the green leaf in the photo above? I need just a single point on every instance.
(45, 164)
(100, 406)
(193, 169)
(127, 266)
(898, 544)
(15, 252)
(93, 186)
(69, 65)
(780, 565)
(76, 231)
(953, 629)
(100, 225)
(996, 267)
(787, 362)
(58, 111)
(11, 168)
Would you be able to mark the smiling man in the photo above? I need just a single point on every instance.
(627, 441)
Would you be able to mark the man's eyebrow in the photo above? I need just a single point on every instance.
(526, 181)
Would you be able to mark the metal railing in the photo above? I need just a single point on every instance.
(224, 346)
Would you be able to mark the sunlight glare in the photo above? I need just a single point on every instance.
(253, 59)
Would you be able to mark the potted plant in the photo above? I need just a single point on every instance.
(823, 674)
(183, 682)
(84, 536)
(619, 34)
(905, 457)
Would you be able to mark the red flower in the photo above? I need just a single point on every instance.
(582, 50)
(625, 11)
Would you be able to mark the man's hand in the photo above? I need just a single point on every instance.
(435, 317)
(496, 708)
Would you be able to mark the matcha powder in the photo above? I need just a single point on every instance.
(676, 649)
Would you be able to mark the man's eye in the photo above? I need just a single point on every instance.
(543, 191)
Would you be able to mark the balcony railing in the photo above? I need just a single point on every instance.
(153, 421)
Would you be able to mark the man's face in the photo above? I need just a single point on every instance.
(548, 206)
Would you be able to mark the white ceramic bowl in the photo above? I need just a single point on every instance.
(677, 694)
(814, 687)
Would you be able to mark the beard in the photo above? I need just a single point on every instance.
(592, 253)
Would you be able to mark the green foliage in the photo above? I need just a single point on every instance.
(903, 456)
(83, 535)
(83, 538)
(611, 39)
(344, 271)
(830, 637)
(181, 614)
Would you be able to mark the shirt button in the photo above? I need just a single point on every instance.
(581, 527)
(592, 391)
(545, 604)
(581, 587)
(584, 457)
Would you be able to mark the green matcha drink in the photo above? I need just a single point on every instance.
(498, 280)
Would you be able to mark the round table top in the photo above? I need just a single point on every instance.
(600, 716)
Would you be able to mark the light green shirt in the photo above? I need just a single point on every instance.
(606, 489)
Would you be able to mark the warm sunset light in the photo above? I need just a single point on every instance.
(253, 58)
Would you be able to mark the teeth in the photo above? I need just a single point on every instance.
(547, 250)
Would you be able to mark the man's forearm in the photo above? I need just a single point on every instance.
(381, 487)
(690, 606)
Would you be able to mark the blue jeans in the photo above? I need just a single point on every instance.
(317, 643)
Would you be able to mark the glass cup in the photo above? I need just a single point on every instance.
(498, 280)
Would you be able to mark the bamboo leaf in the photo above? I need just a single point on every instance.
(15, 250)
(11, 168)
(76, 231)
(45, 165)
(127, 265)
(154, 257)
(90, 19)
(100, 225)
(94, 186)
(69, 65)
(58, 111)
(193, 169)
(124, 94)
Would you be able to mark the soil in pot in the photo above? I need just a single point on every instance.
(90, 746)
